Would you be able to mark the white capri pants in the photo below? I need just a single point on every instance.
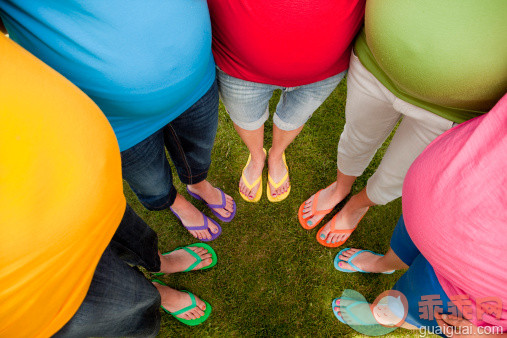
(371, 113)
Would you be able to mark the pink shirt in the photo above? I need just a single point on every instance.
(455, 209)
(287, 43)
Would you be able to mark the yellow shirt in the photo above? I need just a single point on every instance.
(61, 196)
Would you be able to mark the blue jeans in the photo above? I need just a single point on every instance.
(188, 139)
(120, 300)
(247, 102)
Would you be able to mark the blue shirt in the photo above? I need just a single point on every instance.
(143, 62)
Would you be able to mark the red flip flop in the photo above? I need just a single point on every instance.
(336, 231)
(314, 212)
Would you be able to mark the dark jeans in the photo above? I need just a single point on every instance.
(189, 140)
(120, 300)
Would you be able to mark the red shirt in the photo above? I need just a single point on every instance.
(287, 43)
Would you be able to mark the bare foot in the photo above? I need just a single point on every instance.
(345, 219)
(277, 171)
(328, 199)
(173, 300)
(365, 261)
(212, 195)
(180, 260)
(252, 172)
(190, 216)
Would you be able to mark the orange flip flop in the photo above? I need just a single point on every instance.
(314, 212)
(336, 231)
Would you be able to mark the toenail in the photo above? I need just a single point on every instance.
(310, 223)
(322, 236)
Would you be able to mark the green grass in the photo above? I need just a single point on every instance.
(273, 278)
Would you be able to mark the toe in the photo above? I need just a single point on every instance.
(200, 304)
(345, 265)
(205, 234)
(347, 254)
(206, 256)
(325, 232)
(206, 262)
(212, 228)
(198, 312)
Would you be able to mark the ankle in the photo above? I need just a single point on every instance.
(382, 265)
(202, 186)
(181, 206)
(258, 157)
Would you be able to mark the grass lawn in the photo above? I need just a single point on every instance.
(272, 277)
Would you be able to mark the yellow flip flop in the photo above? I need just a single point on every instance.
(276, 185)
(251, 186)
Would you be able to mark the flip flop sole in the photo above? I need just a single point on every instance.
(203, 227)
(336, 244)
(258, 195)
(189, 322)
(214, 258)
(337, 261)
(339, 231)
(303, 221)
(283, 196)
(197, 321)
(278, 198)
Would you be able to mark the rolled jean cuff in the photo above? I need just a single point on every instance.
(159, 203)
(286, 126)
(251, 125)
(194, 179)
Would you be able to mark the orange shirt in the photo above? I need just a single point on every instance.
(61, 196)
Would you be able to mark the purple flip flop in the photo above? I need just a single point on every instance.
(202, 227)
(217, 206)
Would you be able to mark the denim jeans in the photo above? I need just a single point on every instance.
(188, 139)
(120, 300)
(247, 102)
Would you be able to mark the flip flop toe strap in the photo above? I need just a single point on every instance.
(185, 309)
(282, 181)
(248, 184)
(354, 256)
(316, 212)
(196, 227)
(221, 205)
(196, 256)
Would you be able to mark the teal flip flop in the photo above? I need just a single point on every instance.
(189, 322)
(355, 309)
(198, 259)
(337, 261)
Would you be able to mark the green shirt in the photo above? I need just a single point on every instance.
(448, 57)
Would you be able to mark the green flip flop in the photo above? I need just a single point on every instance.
(189, 322)
(198, 259)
